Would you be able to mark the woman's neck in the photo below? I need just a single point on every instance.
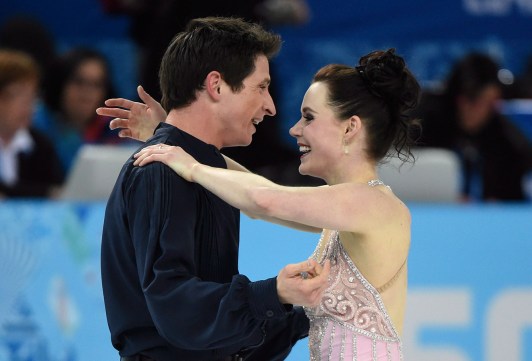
(356, 170)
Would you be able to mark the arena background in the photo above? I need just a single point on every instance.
(470, 270)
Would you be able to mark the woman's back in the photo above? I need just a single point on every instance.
(380, 254)
(362, 309)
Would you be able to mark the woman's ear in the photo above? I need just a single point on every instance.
(213, 83)
(352, 127)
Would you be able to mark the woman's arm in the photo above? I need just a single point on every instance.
(348, 207)
(233, 165)
(136, 120)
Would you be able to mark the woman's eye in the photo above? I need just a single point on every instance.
(308, 117)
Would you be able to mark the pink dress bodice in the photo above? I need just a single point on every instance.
(351, 322)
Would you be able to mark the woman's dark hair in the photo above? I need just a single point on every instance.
(380, 90)
(63, 70)
(227, 45)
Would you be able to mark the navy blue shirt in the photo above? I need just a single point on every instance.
(170, 276)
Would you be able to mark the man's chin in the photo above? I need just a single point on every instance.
(239, 144)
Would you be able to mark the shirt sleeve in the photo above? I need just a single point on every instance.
(188, 312)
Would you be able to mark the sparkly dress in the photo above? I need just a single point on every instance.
(351, 322)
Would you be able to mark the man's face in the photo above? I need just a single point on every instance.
(475, 113)
(242, 111)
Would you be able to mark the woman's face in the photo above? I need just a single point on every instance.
(17, 101)
(319, 134)
(84, 92)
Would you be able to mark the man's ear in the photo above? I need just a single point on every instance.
(213, 84)
(352, 127)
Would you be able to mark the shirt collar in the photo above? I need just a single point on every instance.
(22, 142)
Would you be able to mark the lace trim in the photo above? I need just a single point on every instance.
(371, 335)
(365, 283)
(338, 250)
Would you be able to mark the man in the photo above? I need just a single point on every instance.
(170, 248)
(495, 155)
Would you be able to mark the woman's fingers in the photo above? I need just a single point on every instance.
(151, 153)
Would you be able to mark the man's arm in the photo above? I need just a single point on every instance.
(135, 120)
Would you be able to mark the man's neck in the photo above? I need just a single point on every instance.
(196, 120)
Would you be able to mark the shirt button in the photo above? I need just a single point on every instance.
(269, 313)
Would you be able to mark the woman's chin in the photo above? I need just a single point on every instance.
(303, 170)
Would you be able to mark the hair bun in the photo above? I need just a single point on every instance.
(387, 76)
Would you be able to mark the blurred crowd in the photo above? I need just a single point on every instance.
(465, 117)
(47, 108)
(48, 101)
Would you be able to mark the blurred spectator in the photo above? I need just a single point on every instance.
(495, 154)
(29, 166)
(75, 85)
(30, 36)
(155, 23)
(523, 84)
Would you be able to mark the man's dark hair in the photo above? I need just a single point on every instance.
(227, 45)
(471, 75)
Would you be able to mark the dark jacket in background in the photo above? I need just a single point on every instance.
(494, 160)
(39, 170)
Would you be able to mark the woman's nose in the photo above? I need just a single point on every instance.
(295, 130)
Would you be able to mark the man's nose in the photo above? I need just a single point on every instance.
(269, 106)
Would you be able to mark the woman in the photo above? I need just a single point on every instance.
(351, 117)
(76, 84)
(29, 166)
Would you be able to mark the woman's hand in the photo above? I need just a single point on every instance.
(175, 157)
(136, 120)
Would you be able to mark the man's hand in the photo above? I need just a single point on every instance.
(136, 120)
(303, 283)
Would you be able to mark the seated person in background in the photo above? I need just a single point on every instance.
(28, 34)
(464, 118)
(75, 85)
(29, 166)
